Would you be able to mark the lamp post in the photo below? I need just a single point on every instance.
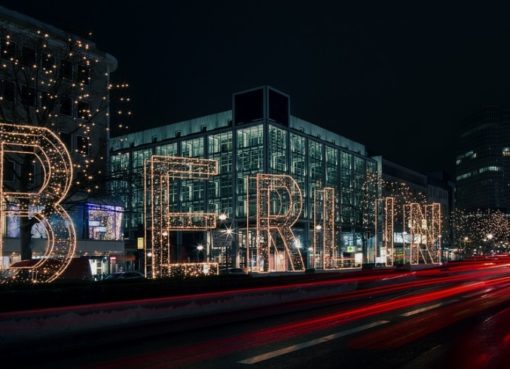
(490, 237)
(317, 240)
(200, 248)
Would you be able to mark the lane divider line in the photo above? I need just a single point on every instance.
(421, 310)
(317, 341)
(427, 308)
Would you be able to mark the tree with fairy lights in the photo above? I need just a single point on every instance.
(481, 231)
(61, 82)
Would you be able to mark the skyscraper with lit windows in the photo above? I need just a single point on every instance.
(483, 161)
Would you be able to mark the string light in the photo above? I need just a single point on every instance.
(159, 171)
(193, 270)
(423, 225)
(324, 228)
(273, 216)
(386, 208)
(43, 205)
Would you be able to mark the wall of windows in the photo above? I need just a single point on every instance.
(315, 171)
(313, 162)
(220, 191)
(250, 160)
(277, 150)
(167, 149)
(137, 195)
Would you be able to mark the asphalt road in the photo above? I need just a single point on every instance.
(455, 317)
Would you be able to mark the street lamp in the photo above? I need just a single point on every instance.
(297, 243)
(222, 217)
(200, 248)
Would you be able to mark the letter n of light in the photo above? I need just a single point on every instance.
(423, 225)
(159, 220)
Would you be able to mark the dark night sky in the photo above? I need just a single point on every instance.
(396, 79)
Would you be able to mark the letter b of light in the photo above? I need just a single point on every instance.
(43, 205)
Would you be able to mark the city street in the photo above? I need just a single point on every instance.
(455, 317)
(254, 184)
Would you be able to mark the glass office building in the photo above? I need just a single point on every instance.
(483, 161)
(259, 135)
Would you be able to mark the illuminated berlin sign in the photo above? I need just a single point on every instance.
(279, 204)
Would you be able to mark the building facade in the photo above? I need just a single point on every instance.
(259, 135)
(435, 187)
(53, 79)
(483, 161)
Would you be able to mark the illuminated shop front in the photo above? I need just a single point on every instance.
(99, 230)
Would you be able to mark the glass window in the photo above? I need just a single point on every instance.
(140, 156)
(120, 162)
(331, 166)
(105, 222)
(167, 150)
(193, 148)
(249, 137)
(220, 143)
(277, 150)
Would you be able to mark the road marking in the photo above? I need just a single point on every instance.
(421, 310)
(427, 308)
(317, 341)
(478, 293)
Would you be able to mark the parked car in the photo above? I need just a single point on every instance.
(125, 275)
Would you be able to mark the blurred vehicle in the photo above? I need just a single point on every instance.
(125, 275)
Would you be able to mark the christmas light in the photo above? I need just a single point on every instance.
(43, 205)
(423, 225)
(279, 203)
(192, 270)
(159, 220)
(385, 208)
(324, 228)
